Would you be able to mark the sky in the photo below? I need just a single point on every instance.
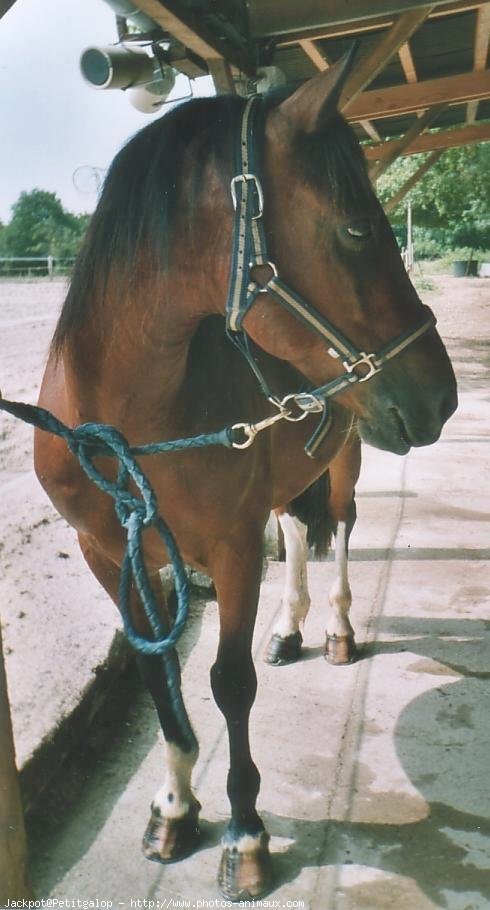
(51, 121)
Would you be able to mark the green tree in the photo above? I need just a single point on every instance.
(40, 226)
(453, 196)
(3, 239)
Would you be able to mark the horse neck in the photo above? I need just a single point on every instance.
(130, 357)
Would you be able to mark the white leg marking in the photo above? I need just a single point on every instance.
(247, 843)
(340, 596)
(296, 599)
(175, 798)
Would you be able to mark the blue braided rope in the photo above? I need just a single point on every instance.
(136, 513)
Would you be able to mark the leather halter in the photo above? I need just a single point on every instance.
(249, 249)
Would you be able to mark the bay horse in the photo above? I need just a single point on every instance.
(174, 324)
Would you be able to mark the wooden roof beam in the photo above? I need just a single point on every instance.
(344, 29)
(393, 150)
(311, 14)
(407, 186)
(190, 30)
(220, 71)
(389, 44)
(445, 139)
(480, 52)
(408, 99)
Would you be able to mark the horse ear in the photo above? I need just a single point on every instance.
(312, 105)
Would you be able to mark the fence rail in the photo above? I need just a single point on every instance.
(38, 266)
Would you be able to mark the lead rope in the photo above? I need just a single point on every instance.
(136, 514)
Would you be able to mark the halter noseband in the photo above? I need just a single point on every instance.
(249, 249)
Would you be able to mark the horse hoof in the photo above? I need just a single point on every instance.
(284, 650)
(340, 649)
(166, 840)
(246, 875)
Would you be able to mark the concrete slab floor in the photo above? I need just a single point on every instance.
(374, 776)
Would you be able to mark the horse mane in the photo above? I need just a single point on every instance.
(140, 197)
(139, 201)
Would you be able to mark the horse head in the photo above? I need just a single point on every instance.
(328, 238)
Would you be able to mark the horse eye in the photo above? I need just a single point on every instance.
(359, 231)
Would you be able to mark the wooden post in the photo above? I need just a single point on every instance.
(409, 238)
(220, 70)
(14, 884)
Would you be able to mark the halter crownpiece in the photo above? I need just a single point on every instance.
(249, 249)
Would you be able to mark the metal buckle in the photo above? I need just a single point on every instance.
(367, 360)
(242, 178)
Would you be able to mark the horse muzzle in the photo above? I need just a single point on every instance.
(413, 414)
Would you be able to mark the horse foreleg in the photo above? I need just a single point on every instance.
(344, 473)
(173, 829)
(245, 868)
(285, 644)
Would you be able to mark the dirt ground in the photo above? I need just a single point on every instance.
(28, 312)
(58, 625)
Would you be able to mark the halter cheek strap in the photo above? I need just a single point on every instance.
(249, 249)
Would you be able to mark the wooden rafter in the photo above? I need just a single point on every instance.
(480, 52)
(397, 148)
(369, 128)
(313, 52)
(445, 139)
(190, 30)
(220, 71)
(407, 186)
(407, 62)
(407, 99)
(299, 20)
(482, 37)
(344, 29)
(389, 43)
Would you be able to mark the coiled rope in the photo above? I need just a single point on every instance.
(136, 513)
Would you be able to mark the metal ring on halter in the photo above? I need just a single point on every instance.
(310, 405)
(366, 359)
(273, 268)
(242, 178)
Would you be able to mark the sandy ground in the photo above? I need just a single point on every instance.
(58, 624)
